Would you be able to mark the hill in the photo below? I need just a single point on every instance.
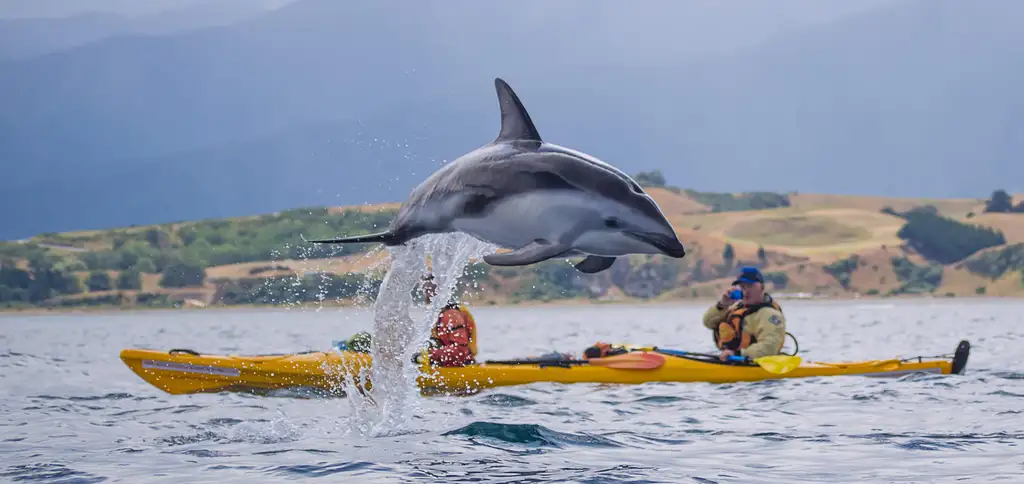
(827, 245)
(338, 103)
(22, 38)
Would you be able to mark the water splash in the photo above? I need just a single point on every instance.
(398, 336)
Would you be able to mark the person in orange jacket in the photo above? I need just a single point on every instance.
(453, 336)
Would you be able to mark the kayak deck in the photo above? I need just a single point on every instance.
(186, 372)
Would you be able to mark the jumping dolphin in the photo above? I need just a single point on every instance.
(538, 199)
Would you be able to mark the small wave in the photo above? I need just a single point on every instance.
(140, 412)
(505, 400)
(649, 439)
(108, 396)
(531, 434)
(328, 469)
(206, 453)
(913, 441)
(175, 440)
(307, 393)
(285, 451)
(247, 432)
(49, 472)
(187, 408)
(659, 399)
(773, 436)
(925, 444)
(1004, 393)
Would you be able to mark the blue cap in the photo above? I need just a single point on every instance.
(749, 275)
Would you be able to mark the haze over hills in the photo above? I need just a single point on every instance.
(22, 9)
(324, 102)
(26, 37)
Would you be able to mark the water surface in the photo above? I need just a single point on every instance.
(70, 411)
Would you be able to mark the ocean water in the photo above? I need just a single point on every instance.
(71, 412)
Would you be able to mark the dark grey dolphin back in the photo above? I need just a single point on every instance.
(519, 171)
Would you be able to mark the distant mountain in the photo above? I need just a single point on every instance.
(26, 37)
(922, 98)
(325, 102)
(123, 8)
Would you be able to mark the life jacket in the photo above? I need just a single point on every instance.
(601, 350)
(731, 334)
(440, 331)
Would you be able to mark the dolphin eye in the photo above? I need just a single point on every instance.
(611, 222)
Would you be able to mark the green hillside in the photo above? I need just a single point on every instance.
(820, 244)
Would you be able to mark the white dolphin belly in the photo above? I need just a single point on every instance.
(519, 220)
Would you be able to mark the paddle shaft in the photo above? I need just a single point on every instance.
(636, 361)
(737, 359)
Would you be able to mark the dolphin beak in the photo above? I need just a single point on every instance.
(670, 246)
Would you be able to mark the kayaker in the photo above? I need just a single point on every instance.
(453, 336)
(750, 324)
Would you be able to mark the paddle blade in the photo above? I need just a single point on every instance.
(778, 364)
(631, 361)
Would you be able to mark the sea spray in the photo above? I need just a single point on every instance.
(398, 336)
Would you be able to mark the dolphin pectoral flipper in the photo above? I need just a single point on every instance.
(593, 264)
(536, 251)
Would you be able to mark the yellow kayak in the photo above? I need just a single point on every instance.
(186, 371)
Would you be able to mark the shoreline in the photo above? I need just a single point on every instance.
(524, 304)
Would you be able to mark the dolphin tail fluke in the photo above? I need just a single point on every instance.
(386, 238)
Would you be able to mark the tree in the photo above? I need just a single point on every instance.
(944, 240)
(144, 265)
(158, 239)
(14, 283)
(999, 202)
(183, 274)
(129, 280)
(650, 179)
(728, 254)
(842, 270)
(50, 277)
(98, 281)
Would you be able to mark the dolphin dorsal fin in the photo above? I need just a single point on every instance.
(515, 121)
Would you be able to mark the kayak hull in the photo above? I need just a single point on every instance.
(186, 372)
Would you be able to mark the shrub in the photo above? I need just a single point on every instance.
(778, 279)
(842, 270)
(98, 281)
(183, 275)
(727, 202)
(129, 280)
(650, 179)
(995, 263)
(916, 279)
